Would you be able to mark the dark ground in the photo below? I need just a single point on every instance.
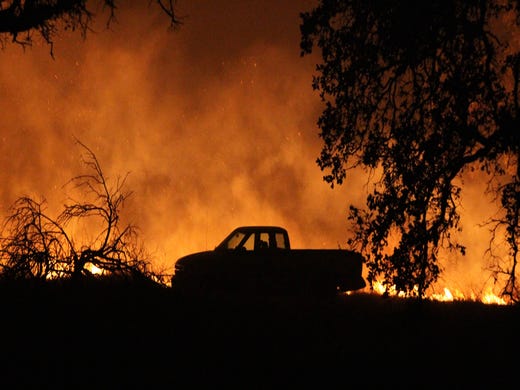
(116, 336)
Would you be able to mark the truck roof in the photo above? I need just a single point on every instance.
(260, 227)
(256, 229)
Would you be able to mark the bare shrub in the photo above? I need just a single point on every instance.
(35, 245)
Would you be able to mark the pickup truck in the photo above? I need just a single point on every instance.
(259, 259)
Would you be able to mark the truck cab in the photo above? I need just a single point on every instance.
(254, 238)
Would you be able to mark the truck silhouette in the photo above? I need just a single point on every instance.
(259, 259)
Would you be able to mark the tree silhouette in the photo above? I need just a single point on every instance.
(418, 93)
(21, 19)
(37, 246)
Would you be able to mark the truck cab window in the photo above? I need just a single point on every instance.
(280, 241)
(263, 241)
(249, 244)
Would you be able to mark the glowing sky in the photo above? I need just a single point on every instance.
(215, 124)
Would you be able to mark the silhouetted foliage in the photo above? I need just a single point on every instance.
(508, 228)
(417, 93)
(35, 245)
(20, 20)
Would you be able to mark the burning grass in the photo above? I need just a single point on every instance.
(487, 296)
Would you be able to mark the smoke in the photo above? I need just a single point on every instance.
(215, 125)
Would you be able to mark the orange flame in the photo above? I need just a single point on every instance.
(449, 295)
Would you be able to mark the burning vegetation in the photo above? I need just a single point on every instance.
(217, 130)
(37, 246)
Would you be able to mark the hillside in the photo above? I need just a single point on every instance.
(120, 335)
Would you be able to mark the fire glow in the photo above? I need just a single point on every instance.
(215, 123)
(448, 295)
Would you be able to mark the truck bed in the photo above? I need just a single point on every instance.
(312, 271)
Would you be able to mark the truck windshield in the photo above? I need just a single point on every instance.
(241, 240)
